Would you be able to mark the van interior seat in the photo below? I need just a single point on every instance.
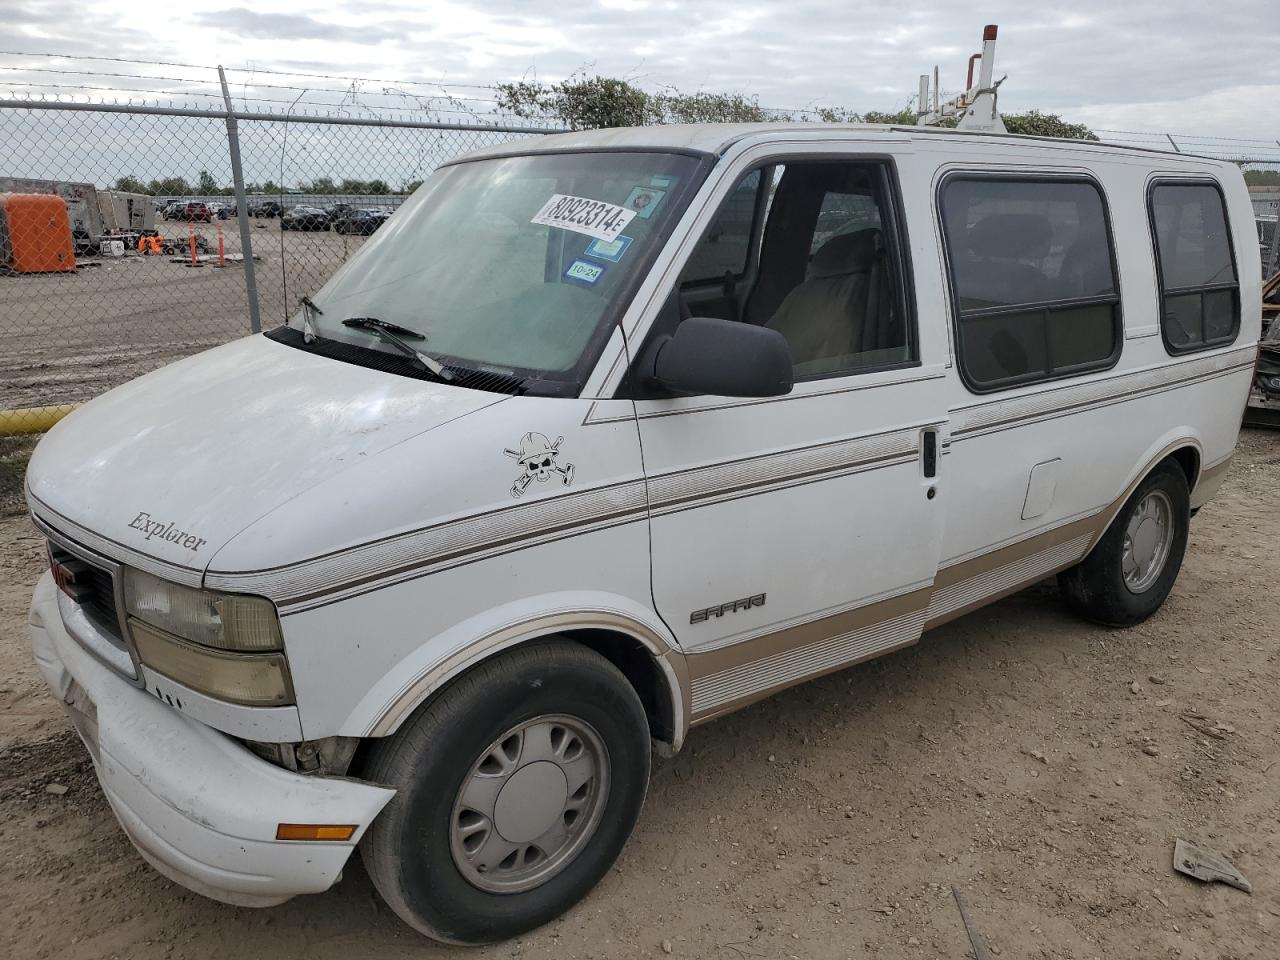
(825, 315)
(1009, 245)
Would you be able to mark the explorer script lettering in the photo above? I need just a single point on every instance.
(166, 531)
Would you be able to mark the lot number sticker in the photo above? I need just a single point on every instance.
(595, 218)
(584, 272)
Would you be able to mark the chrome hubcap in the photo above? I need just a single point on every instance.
(1147, 540)
(529, 804)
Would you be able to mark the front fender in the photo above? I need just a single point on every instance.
(456, 650)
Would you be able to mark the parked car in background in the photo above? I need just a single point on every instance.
(196, 210)
(304, 218)
(359, 222)
(222, 209)
(173, 210)
(336, 210)
(265, 208)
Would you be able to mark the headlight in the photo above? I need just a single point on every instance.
(227, 621)
(222, 644)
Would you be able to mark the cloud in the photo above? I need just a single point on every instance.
(1155, 64)
(247, 23)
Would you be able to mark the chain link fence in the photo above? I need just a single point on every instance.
(122, 240)
(128, 238)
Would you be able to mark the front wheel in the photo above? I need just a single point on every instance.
(515, 791)
(1130, 571)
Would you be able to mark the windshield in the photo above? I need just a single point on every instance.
(515, 265)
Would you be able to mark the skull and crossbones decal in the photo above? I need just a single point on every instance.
(538, 459)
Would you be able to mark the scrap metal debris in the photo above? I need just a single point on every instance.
(1206, 866)
(980, 951)
(1199, 722)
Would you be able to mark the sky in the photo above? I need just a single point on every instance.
(1172, 65)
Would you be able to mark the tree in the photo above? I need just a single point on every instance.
(130, 184)
(205, 184)
(1036, 124)
(1262, 178)
(904, 117)
(411, 186)
(580, 103)
(378, 187)
(585, 103)
(169, 187)
(676, 107)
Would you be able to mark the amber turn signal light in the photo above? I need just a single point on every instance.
(315, 831)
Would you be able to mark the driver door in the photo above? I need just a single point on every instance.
(795, 535)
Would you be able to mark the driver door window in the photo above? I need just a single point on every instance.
(828, 272)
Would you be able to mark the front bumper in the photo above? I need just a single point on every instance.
(200, 807)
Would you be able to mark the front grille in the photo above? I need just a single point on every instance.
(91, 587)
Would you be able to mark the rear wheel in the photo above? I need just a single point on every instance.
(1131, 570)
(515, 791)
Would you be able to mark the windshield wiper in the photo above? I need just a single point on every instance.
(395, 334)
(308, 328)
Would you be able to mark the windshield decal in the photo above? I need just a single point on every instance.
(645, 200)
(606, 250)
(594, 218)
(585, 272)
(538, 458)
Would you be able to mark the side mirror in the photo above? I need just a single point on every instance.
(720, 357)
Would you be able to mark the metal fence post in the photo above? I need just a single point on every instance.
(242, 207)
(1273, 255)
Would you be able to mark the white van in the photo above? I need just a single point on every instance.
(606, 435)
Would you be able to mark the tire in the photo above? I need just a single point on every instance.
(1110, 589)
(448, 883)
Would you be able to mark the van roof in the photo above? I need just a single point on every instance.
(715, 138)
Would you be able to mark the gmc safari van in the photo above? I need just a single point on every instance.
(606, 435)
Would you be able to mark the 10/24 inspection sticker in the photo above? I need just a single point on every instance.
(595, 218)
(584, 272)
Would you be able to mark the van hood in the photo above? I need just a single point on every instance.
(176, 463)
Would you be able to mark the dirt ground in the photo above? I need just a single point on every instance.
(1041, 765)
(69, 337)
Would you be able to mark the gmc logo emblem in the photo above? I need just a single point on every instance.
(64, 575)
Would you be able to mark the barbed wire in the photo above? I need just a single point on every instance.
(246, 69)
(383, 97)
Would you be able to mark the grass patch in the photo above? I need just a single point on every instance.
(15, 453)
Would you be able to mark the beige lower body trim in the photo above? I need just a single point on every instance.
(734, 676)
(726, 679)
(1210, 480)
(963, 596)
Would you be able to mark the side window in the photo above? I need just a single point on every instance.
(843, 213)
(1032, 277)
(1199, 290)
(726, 246)
(830, 273)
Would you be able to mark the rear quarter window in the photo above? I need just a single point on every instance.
(1033, 281)
(1195, 265)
